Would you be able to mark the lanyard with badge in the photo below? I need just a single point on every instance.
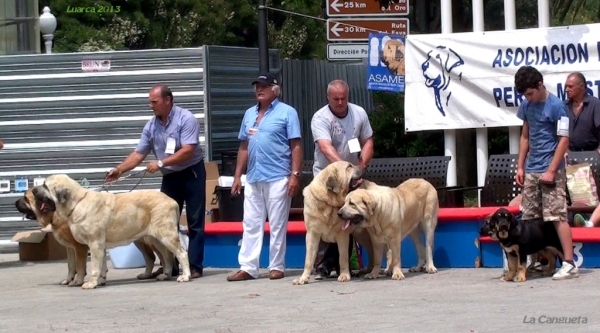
(170, 147)
(354, 145)
(254, 129)
(562, 128)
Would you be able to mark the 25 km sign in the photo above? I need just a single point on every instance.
(359, 29)
(365, 8)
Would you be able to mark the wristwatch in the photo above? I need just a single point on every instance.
(160, 164)
(296, 173)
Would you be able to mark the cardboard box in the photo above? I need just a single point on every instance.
(212, 180)
(39, 245)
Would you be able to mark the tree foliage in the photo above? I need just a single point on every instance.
(147, 24)
(387, 120)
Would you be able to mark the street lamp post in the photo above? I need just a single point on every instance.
(47, 27)
(263, 44)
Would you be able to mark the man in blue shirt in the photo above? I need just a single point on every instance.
(173, 137)
(541, 166)
(271, 152)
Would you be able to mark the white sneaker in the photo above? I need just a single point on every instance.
(567, 271)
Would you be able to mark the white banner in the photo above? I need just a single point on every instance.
(466, 80)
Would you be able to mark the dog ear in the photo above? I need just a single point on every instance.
(62, 195)
(369, 204)
(453, 60)
(515, 226)
(332, 184)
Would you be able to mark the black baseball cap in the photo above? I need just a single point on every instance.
(268, 78)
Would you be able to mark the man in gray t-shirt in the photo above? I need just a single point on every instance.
(341, 132)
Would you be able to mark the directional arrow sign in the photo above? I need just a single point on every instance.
(359, 29)
(366, 8)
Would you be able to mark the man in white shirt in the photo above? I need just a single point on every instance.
(342, 132)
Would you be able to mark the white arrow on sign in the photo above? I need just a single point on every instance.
(335, 29)
(335, 5)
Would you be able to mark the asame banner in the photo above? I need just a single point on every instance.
(385, 68)
(466, 80)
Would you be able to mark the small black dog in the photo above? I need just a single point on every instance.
(520, 239)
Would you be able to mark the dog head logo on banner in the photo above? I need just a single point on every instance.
(441, 67)
(386, 62)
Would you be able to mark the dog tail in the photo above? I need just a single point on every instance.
(432, 207)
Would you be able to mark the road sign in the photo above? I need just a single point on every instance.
(366, 8)
(347, 51)
(359, 28)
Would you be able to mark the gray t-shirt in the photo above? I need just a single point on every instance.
(327, 126)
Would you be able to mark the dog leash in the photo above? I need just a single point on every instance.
(106, 185)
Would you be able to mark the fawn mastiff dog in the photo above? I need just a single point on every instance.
(323, 197)
(76, 252)
(103, 220)
(391, 213)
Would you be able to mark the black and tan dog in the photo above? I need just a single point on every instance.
(520, 239)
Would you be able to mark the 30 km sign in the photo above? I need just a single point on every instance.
(366, 8)
(359, 29)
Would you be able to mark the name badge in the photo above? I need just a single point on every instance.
(562, 128)
(354, 145)
(170, 149)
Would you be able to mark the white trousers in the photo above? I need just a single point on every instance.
(264, 199)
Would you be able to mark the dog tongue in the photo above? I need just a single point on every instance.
(43, 206)
(346, 225)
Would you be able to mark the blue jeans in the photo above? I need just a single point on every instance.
(189, 186)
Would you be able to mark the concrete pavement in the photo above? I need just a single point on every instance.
(453, 300)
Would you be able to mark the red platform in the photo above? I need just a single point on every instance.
(298, 227)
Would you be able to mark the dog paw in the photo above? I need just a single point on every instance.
(430, 269)
(519, 278)
(89, 285)
(65, 282)
(300, 281)
(416, 269)
(183, 278)
(507, 277)
(398, 276)
(101, 281)
(75, 283)
(344, 277)
(372, 275)
(163, 277)
(144, 276)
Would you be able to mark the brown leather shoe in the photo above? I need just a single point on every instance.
(195, 275)
(275, 275)
(240, 276)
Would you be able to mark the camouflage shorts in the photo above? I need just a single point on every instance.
(545, 201)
